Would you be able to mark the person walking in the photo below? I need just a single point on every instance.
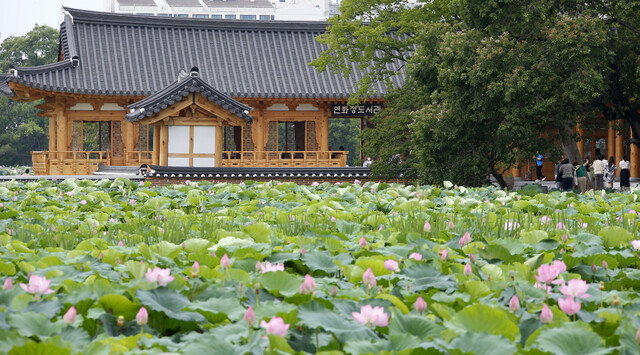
(558, 175)
(587, 166)
(610, 172)
(539, 162)
(566, 169)
(598, 172)
(581, 176)
(624, 173)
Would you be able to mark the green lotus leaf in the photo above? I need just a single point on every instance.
(168, 302)
(227, 307)
(315, 315)
(615, 237)
(484, 318)
(394, 345)
(569, 339)
(494, 251)
(483, 344)
(260, 232)
(49, 347)
(414, 324)
(29, 324)
(322, 261)
(167, 249)
(119, 305)
(425, 277)
(280, 283)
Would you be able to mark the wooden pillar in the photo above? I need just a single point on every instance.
(164, 145)
(257, 129)
(52, 134)
(156, 145)
(324, 129)
(619, 148)
(61, 124)
(611, 140)
(634, 159)
(515, 171)
(129, 145)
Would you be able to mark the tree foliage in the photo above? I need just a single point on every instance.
(21, 129)
(491, 82)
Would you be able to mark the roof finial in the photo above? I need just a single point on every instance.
(195, 72)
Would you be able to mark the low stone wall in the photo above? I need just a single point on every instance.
(163, 181)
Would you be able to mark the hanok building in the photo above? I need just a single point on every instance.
(130, 90)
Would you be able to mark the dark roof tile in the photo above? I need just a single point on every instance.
(133, 55)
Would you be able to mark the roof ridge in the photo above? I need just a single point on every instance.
(109, 18)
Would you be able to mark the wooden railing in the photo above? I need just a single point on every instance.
(69, 162)
(284, 158)
(138, 158)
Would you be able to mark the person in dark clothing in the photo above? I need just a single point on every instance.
(566, 169)
(558, 175)
(539, 162)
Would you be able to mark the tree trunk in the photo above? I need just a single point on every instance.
(570, 148)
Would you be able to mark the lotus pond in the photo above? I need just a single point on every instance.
(111, 267)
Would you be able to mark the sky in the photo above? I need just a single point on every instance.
(17, 17)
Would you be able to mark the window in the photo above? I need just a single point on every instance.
(232, 138)
(200, 16)
(164, 15)
(145, 14)
(247, 17)
(182, 15)
(230, 17)
(266, 17)
(216, 17)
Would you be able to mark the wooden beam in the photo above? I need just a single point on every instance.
(169, 111)
(164, 145)
(292, 115)
(52, 133)
(96, 115)
(61, 136)
(156, 145)
(218, 142)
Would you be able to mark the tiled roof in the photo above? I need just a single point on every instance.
(4, 85)
(241, 4)
(183, 3)
(137, 3)
(180, 89)
(128, 55)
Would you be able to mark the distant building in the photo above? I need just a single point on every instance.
(287, 10)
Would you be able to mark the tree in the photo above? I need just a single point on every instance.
(22, 130)
(39, 46)
(504, 78)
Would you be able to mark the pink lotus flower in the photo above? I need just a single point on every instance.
(548, 273)
(308, 285)
(467, 269)
(224, 261)
(559, 266)
(37, 285)
(584, 226)
(83, 202)
(8, 284)
(276, 326)
(369, 279)
(514, 304)
(142, 317)
(70, 316)
(250, 316)
(560, 225)
(391, 265)
(635, 244)
(371, 316)
(569, 306)
(420, 305)
(161, 276)
(575, 288)
(466, 239)
(315, 183)
(362, 242)
(356, 181)
(333, 218)
(546, 316)
(444, 255)
(427, 227)
(268, 267)
(120, 244)
(415, 256)
(451, 224)
(545, 220)
(195, 269)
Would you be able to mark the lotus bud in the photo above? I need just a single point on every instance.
(546, 316)
(427, 227)
(195, 269)
(184, 246)
(467, 269)
(420, 305)
(120, 321)
(594, 268)
(250, 316)
(8, 284)
(391, 265)
(308, 286)
(100, 256)
(564, 238)
(444, 254)
(514, 304)
(451, 224)
(120, 244)
(638, 336)
(472, 258)
(142, 317)
(224, 261)
(362, 242)
(70, 316)
(368, 278)
(334, 291)
(604, 264)
(601, 286)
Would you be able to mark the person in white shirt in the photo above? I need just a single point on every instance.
(598, 172)
(624, 165)
(367, 163)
